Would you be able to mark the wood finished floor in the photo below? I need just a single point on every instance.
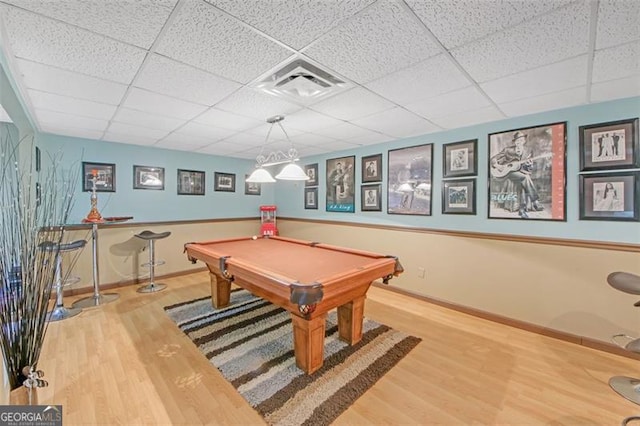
(127, 363)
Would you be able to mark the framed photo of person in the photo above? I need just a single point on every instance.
(225, 182)
(312, 171)
(103, 174)
(409, 180)
(311, 198)
(372, 168)
(251, 188)
(370, 198)
(612, 145)
(460, 159)
(340, 182)
(191, 182)
(610, 196)
(527, 173)
(459, 196)
(147, 177)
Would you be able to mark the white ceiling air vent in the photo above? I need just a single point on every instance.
(301, 82)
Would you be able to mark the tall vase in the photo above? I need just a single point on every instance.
(20, 396)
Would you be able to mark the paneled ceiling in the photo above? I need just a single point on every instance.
(189, 74)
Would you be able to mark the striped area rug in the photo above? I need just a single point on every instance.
(251, 343)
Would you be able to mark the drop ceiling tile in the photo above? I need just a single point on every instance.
(276, 133)
(469, 118)
(397, 122)
(308, 151)
(352, 104)
(378, 41)
(224, 148)
(245, 140)
(562, 99)
(72, 84)
(53, 118)
(338, 146)
(312, 139)
(129, 139)
(371, 139)
(456, 22)
(177, 146)
(294, 23)
(227, 120)
(135, 22)
(64, 46)
(308, 120)
(182, 142)
(76, 133)
(617, 22)
(426, 79)
(616, 89)
(251, 103)
(52, 102)
(137, 131)
(209, 39)
(143, 119)
(204, 131)
(616, 62)
(539, 81)
(466, 99)
(345, 131)
(154, 103)
(182, 81)
(546, 39)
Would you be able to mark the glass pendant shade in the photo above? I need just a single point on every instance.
(260, 175)
(292, 172)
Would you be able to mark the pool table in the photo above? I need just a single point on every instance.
(306, 278)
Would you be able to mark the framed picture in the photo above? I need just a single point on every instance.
(370, 196)
(102, 174)
(311, 198)
(225, 182)
(312, 171)
(409, 180)
(340, 180)
(191, 182)
(146, 177)
(610, 196)
(372, 168)
(251, 188)
(38, 159)
(459, 196)
(613, 145)
(527, 173)
(460, 159)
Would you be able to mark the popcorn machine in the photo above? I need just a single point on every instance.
(268, 221)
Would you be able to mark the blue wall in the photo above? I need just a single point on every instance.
(290, 201)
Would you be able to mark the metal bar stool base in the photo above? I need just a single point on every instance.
(93, 301)
(152, 288)
(628, 387)
(60, 313)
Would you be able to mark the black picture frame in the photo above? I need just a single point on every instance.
(311, 170)
(611, 145)
(527, 173)
(371, 168)
(224, 182)
(460, 159)
(251, 188)
(311, 198)
(409, 180)
(371, 198)
(191, 182)
(105, 176)
(38, 156)
(459, 196)
(340, 184)
(148, 177)
(610, 196)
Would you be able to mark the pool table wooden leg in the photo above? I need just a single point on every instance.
(220, 291)
(308, 342)
(350, 320)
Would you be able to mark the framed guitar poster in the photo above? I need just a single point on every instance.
(527, 173)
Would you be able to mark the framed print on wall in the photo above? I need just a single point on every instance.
(146, 177)
(460, 159)
(225, 182)
(191, 182)
(527, 173)
(612, 145)
(610, 196)
(409, 180)
(372, 168)
(311, 198)
(311, 170)
(370, 198)
(104, 175)
(340, 180)
(459, 196)
(251, 188)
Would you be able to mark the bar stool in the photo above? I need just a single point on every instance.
(59, 311)
(151, 237)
